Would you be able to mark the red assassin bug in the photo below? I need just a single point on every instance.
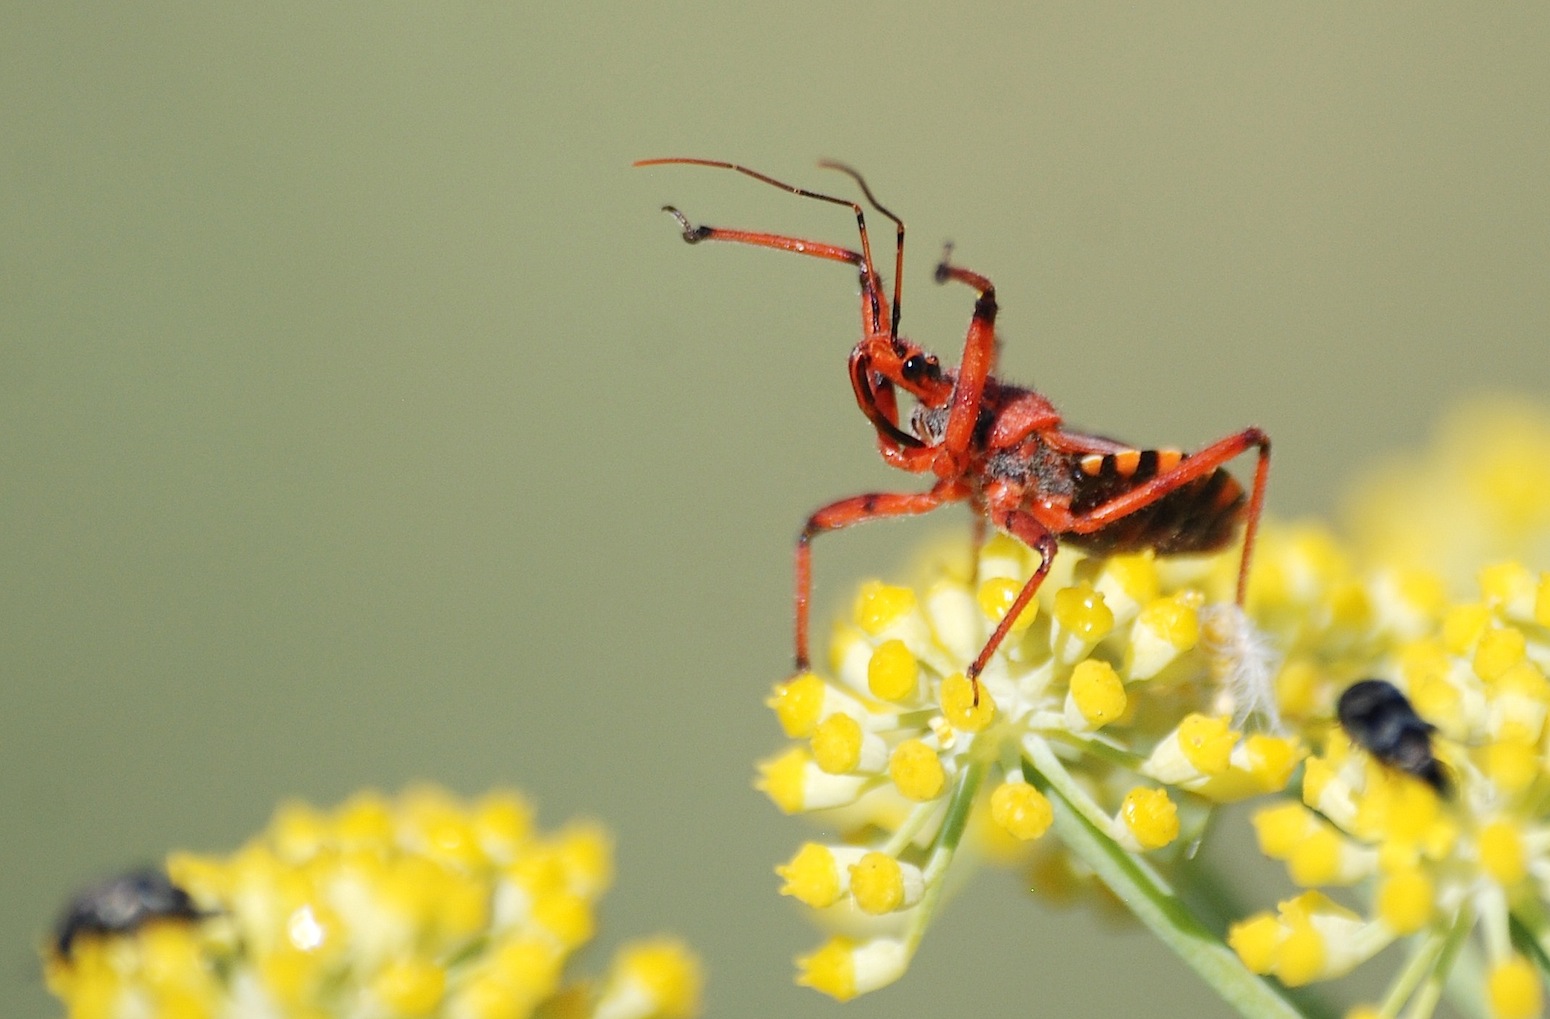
(998, 446)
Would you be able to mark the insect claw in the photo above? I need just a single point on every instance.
(944, 267)
(692, 234)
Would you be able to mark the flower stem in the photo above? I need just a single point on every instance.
(1147, 895)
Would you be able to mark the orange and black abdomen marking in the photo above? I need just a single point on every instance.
(1201, 516)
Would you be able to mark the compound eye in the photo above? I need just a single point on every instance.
(919, 366)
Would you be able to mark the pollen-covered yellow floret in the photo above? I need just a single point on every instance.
(1301, 956)
(958, 704)
(836, 744)
(877, 883)
(1270, 760)
(1021, 810)
(1299, 688)
(1542, 600)
(797, 703)
(1426, 670)
(1280, 828)
(298, 830)
(1513, 987)
(1508, 586)
(893, 674)
(1255, 941)
(880, 605)
(995, 597)
(784, 778)
(1164, 629)
(587, 853)
(409, 987)
(1396, 807)
(1150, 816)
(916, 770)
(441, 825)
(364, 820)
(1406, 900)
(1498, 651)
(658, 978)
(813, 876)
(1207, 742)
(503, 822)
(1318, 859)
(1349, 606)
(1462, 625)
(794, 782)
(525, 968)
(1512, 765)
(1422, 590)
(567, 918)
(1520, 701)
(844, 967)
(1081, 612)
(1003, 556)
(1502, 853)
(1132, 577)
(1321, 782)
(1097, 692)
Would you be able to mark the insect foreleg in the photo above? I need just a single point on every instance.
(857, 509)
(979, 358)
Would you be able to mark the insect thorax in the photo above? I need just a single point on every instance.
(929, 423)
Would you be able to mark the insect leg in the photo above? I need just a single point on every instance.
(1030, 532)
(857, 509)
(898, 260)
(979, 358)
(871, 284)
(1196, 465)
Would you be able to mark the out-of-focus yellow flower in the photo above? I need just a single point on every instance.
(1433, 858)
(420, 906)
(1440, 597)
(1479, 494)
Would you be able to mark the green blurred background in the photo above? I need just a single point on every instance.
(365, 422)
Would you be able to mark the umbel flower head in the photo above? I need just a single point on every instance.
(420, 906)
(1430, 858)
(1128, 701)
(1107, 698)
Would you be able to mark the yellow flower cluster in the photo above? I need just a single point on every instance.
(1122, 698)
(1478, 494)
(1434, 597)
(1115, 671)
(420, 906)
(1438, 862)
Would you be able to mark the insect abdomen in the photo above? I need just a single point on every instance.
(1200, 516)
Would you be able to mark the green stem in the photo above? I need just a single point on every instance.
(1146, 894)
(1531, 931)
(1426, 998)
(953, 826)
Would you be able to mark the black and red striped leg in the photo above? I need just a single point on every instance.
(858, 509)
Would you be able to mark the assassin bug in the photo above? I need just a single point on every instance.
(999, 447)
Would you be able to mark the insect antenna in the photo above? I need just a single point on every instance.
(898, 268)
(873, 281)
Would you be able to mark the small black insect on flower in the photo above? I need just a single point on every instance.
(123, 905)
(1382, 721)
